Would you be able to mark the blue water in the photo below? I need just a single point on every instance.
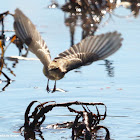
(120, 93)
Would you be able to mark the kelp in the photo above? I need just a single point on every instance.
(84, 126)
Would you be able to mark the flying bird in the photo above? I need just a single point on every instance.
(90, 49)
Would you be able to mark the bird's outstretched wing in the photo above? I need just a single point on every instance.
(28, 34)
(90, 49)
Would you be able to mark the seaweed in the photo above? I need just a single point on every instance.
(84, 126)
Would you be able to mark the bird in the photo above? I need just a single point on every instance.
(88, 50)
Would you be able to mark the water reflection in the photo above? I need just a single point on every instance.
(5, 42)
(85, 14)
(88, 15)
(3, 66)
(2, 36)
(8, 80)
(54, 4)
(109, 67)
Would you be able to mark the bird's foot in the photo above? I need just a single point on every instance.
(48, 90)
(54, 89)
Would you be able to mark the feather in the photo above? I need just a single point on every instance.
(28, 34)
(90, 49)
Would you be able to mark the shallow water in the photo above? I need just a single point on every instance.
(120, 93)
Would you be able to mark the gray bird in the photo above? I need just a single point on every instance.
(90, 49)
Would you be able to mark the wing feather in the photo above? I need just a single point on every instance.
(90, 49)
(28, 34)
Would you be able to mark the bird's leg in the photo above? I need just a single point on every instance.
(47, 88)
(54, 89)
